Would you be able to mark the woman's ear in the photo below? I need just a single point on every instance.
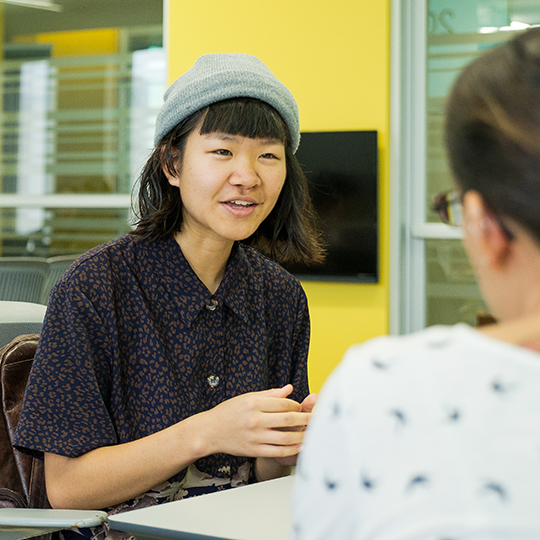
(485, 240)
(172, 178)
(174, 162)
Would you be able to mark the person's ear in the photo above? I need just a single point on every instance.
(485, 240)
(172, 178)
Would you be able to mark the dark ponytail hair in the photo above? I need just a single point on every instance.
(493, 129)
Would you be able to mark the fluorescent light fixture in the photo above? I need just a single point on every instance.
(515, 25)
(488, 29)
(38, 4)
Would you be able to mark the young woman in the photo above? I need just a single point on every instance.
(172, 360)
(435, 435)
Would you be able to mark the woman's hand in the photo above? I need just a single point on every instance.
(306, 406)
(309, 403)
(257, 424)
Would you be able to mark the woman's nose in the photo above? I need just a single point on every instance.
(245, 174)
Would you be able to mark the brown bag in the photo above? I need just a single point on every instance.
(22, 480)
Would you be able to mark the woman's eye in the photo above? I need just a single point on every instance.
(269, 156)
(222, 152)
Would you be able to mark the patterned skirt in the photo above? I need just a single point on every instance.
(192, 484)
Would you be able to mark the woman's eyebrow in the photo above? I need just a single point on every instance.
(269, 140)
(236, 138)
(223, 136)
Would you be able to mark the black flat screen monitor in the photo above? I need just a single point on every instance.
(342, 172)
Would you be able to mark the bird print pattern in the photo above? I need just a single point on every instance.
(432, 436)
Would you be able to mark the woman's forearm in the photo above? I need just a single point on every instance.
(110, 475)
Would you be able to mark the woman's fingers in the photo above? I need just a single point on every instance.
(282, 392)
(278, 420)
(259, 424)
(309, 403)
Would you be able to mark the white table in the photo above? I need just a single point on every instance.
(21, 533)
(22, 523)
(255, 512)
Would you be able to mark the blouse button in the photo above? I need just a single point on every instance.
(212, 304)
(213, 380)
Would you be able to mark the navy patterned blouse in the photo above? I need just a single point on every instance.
(133, 342)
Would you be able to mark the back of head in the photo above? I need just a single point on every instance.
(493, 129)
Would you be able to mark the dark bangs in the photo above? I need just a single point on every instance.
(246, 117)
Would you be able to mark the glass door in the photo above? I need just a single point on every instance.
(81, 84)
(432, 40)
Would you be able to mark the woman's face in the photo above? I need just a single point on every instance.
(228, 184)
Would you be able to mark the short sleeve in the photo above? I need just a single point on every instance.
(64, 409)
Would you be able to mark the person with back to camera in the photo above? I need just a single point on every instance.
(172, 360)
(435, 436)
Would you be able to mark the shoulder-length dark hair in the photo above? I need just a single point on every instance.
(493, 129)
(288, 233)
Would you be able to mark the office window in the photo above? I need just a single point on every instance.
(81, 85)
(437, 38)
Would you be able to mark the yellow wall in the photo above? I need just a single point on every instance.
(334, 57)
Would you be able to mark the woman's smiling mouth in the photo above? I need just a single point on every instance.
(240, 206)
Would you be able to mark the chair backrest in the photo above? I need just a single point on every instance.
(18, 318)
(23, 278)
(22, 481)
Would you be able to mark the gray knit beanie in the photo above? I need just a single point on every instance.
(215, 77)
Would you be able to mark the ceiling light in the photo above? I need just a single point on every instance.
(39, 4)
(488, 29)
(515, 25)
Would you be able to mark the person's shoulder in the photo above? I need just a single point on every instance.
(406, 352)
(98, 262)
(435, 337)
(384, 367)
(107, 250)
(271, 272)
